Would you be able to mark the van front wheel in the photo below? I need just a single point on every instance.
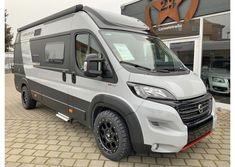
(27, 101)
(112, 135)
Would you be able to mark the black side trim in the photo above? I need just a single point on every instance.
(136, 134)
(52, 68)
(122, 108)
(61, 101)
(19, 80)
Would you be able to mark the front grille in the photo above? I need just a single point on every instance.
(198, 120)
(195, 110)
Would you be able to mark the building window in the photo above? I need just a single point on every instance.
(216, 56)
(54, 52)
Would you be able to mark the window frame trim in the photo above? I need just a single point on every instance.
(74, 33)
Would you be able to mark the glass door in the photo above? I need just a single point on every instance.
(187, 51)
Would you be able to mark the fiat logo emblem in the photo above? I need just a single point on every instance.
(200, 109)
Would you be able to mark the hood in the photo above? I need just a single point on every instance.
(181, 86)
(219, 72)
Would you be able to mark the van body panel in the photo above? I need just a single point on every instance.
(181, 86)
(62, 85)
(169, 125)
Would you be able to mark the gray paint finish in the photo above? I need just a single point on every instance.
(205, 7)
(54, 16)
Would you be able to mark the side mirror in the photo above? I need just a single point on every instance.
(93, 65)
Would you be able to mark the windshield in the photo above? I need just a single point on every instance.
(142, 50)
(224, 64)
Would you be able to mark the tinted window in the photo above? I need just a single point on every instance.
(85, 44)
(54, 52)
(94, 46)
(81, 49)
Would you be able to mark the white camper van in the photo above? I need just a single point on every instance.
(110, 73)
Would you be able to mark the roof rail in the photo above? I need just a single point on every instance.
(70, 10)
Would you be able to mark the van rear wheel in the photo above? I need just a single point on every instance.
(27, 101)
(112, 135)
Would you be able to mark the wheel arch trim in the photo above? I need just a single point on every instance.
(124, 110)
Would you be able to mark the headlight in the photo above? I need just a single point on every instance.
(216, 79)
(145, 92)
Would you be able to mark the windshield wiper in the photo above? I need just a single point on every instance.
(136, 65)
(162, 70)
(181, 68)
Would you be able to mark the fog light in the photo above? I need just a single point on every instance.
(154, 147)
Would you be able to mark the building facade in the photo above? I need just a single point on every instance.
(198, 31)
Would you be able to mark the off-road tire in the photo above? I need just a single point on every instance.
(118, 131)
(27, 101)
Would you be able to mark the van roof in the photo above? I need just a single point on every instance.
(103, 19)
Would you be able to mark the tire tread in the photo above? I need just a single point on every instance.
(125, 146)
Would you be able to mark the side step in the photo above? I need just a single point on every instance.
(62, 116)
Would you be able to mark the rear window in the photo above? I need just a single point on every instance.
(54, 52)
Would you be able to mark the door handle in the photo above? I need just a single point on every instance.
(73, 77)
(64, 76)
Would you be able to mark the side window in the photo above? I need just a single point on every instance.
(85, 44)
(54, 52)
(94, 46)
(82, 47)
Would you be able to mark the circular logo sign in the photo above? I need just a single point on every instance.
(169, 9)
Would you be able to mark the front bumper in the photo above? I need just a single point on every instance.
(222, 88)
(164, 131)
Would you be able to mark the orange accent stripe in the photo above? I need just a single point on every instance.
(195, 142)
(71, 110)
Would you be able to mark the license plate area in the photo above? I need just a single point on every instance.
(195, 131)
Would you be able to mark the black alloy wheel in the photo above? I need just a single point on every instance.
(108, 136)
(112, 136)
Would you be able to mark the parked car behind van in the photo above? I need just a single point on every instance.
(216, 76)
(110, 73)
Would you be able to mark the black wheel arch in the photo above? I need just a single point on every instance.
(24, 82)
(21, 81)
(102, 102)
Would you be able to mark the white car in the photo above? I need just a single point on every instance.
(217, 76)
